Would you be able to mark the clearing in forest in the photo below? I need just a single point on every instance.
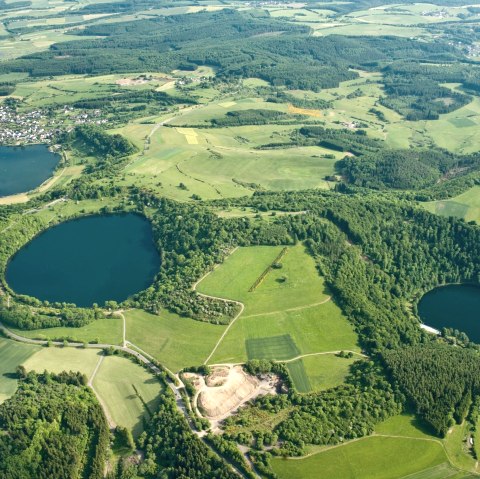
(289, 314)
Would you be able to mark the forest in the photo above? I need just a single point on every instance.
(53, 426)
(406, 169)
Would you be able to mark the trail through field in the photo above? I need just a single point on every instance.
(320, 354)
(298, 308)
(111, 422)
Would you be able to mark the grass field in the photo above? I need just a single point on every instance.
(12, 354)
(220, 162)
(401, 447)
(175, 341)
(129, 391)
(58, 359)
(233, 279)
(466, 206)
(327, 370)
(299, 376)
(107, 331)
(271, 347)
(369, 458)
(115, 381)
(281, 319)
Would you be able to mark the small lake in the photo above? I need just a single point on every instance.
(88, 260)
(454, 306)
(25, 168)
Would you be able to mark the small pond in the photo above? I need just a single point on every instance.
(25, 168)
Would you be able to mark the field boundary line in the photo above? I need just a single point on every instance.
(297, 308)
(267, 270)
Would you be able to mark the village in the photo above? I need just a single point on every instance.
(41, 126)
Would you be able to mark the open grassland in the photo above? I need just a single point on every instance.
(368, 458)
(401, 447)
(455, 443)
(312, 329)
(466, 206)
(221, 162)
(303, 285)
(105, 331)
(12, 354)
(299, 376)
(58, 359)
(282, 318)
(326, 371)
(399, 20)
(129, 392)
(174, 341)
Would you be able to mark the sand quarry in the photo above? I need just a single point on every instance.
(226, 389)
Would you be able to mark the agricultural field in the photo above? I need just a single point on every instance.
(174, 341)
(370, 458)
(58, 359)
(13, 354)
(283, 318)
(220, 162)
(129, 392)
(466, 206)
(323, 371)
(403, 20)
(399, 447)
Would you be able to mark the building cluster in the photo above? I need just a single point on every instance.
(38, 126)
(17, 128)
(435, 13)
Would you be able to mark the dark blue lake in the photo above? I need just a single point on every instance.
(454, 306)
(24, 168)
(88, 260)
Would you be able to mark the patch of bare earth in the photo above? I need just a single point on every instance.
(227, 388)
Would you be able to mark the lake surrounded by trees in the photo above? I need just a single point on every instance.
(25, 168)
(87, 260)
(454, 306)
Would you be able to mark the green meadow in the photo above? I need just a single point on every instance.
(368, 458)
(128, 390)
(466, 205)
(282, 318)
(13, 354)
(174, 341)
(105, 331)
(58, 359)
(400, 447)
(326, 371)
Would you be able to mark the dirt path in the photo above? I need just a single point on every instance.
(111, 423)
(298, 308)
(320, 354)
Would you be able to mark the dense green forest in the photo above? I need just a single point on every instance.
(53, 427)
(174, 451)
(440, 381)
(406, 169)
